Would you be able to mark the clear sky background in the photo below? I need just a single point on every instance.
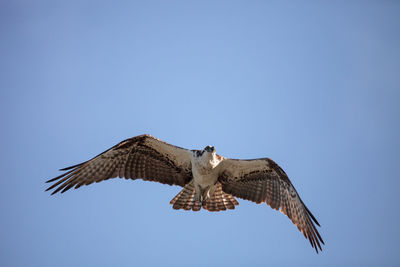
(313, 85)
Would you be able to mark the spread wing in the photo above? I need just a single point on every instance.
(142, 157)
(262, 180)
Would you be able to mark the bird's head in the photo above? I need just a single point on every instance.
(209, 149)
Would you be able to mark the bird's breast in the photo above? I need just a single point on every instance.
(204, 174)
(205, 179)
(204, 170)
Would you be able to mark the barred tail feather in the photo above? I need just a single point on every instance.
(217, 202)
(185, 199)
(220, 200)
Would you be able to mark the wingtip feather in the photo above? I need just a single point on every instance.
(312, 216)
(70, 167)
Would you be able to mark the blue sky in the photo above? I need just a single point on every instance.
(314, 86)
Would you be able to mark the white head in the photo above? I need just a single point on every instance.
(209, 149)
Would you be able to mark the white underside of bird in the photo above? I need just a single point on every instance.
(205, 174)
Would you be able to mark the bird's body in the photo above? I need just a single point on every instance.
(205, 173)
(209, 181)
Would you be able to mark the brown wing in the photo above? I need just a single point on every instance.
(142, 157)
(262, 180)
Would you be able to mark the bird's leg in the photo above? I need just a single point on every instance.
(206, 194)
(197, 193)
(211, 191)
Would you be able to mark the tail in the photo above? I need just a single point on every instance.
(218, 201)
(185, 199)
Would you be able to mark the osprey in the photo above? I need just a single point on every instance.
(209, 181)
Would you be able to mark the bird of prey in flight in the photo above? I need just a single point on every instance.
(209, 180)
